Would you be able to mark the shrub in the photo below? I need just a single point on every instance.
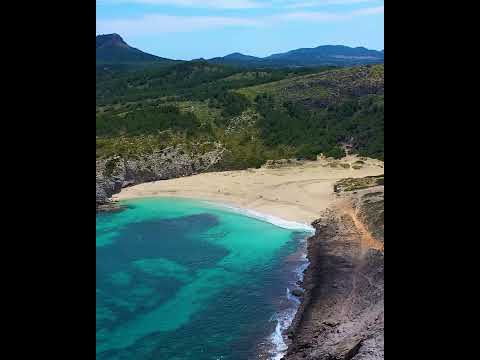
(335, 152)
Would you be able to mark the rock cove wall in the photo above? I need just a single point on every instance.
(115, 173)
(342, 313)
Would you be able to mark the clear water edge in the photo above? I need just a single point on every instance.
(289, 304)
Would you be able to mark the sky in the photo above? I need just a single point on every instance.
(192, 29)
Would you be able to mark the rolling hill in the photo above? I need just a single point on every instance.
(321, 89)
(326, 55)
(257, 114)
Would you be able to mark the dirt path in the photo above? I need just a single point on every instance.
(367, 240)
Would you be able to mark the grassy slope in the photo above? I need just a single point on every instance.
(323, 87)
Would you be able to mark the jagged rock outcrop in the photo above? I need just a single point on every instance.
(115, 173)
(342, 313)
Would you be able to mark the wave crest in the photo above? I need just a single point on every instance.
(285, 224)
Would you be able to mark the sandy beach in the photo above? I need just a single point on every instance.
(297, 192)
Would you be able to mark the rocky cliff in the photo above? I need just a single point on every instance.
(342, 313)
(115, 173)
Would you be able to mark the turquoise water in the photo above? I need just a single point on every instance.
(184, 279)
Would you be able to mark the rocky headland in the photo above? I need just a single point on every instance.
(342, 312)
(115, 173)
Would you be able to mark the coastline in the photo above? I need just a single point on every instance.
(341, 314)
(276, 347)
(277, 341)
(305, 196)
(297, 193)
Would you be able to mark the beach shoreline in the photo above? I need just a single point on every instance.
(297, 193)
(292, 197)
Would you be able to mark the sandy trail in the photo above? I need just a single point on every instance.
(298, 193)
(364, 241)
(367, 240)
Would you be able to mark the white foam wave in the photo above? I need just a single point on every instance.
(291, 297)
(278, 342)
(285, 224)
(284, 318)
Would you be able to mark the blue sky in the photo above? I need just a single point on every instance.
(189, 29)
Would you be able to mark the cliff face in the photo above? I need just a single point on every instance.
(115, 173)
(342, 314)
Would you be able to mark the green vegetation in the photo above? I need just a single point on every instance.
(351, 184)
(147, 120)
(255, 114)
(195, 80)
(314, 131)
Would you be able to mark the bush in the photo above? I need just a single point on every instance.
(307, 152)
(335, 152)
(111, 165)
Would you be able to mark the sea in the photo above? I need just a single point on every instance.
(181, 279)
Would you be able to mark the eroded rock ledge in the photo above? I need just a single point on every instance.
(115, 173)
(342, 313)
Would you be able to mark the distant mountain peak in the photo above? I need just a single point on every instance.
(113, 36)
(112, 49)
(328, 55)
(110, 40)
(239, 56)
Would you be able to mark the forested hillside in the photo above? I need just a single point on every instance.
(255, 114)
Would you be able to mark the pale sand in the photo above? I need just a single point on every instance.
(297, 193)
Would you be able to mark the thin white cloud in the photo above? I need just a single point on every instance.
(370, 11)
(159, 23)
(320, 16)
(211, 4)
(295, 4)
(310, 16)
(241, 4)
